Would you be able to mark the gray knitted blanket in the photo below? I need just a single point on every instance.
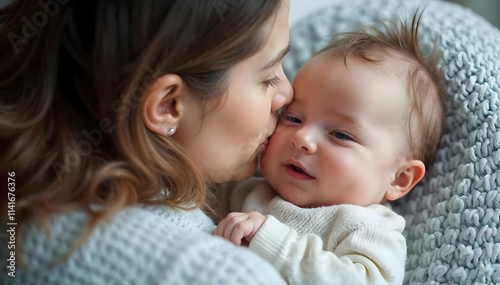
(453, 215)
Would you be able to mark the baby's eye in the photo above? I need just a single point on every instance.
(291, 119)
(342, 135)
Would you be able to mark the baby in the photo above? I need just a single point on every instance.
(365, 121)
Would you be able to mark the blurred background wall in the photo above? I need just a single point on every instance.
(489, 9)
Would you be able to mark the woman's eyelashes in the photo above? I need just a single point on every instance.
(273, 82)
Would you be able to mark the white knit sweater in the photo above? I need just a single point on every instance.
(341, 244)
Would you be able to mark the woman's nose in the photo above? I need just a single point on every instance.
(303, 140)
(284, 93)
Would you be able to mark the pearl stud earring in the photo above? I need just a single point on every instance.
(170, 131)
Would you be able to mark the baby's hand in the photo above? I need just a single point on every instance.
(236, 226)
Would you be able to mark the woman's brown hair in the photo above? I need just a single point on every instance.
(72, 75)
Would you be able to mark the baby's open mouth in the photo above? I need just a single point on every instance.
(298, 173)
(298, 169)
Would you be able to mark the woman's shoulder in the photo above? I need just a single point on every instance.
(138, 245)
(194, 219)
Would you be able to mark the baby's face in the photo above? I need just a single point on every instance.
(342, 138)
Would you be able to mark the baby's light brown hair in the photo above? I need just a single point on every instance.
(399, 39)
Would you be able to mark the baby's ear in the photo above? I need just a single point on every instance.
(408, 176)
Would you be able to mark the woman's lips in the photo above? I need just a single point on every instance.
(264, 145)
(297, 172)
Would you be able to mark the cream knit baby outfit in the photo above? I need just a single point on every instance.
(341, 244)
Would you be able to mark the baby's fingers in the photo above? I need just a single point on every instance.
(226, 226)
(242, 229)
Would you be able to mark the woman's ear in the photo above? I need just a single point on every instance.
(163, 104)
(409, 175)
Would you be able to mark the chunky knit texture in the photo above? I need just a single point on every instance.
(453, 215)
(139, 245)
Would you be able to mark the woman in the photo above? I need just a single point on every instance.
(116, 116)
